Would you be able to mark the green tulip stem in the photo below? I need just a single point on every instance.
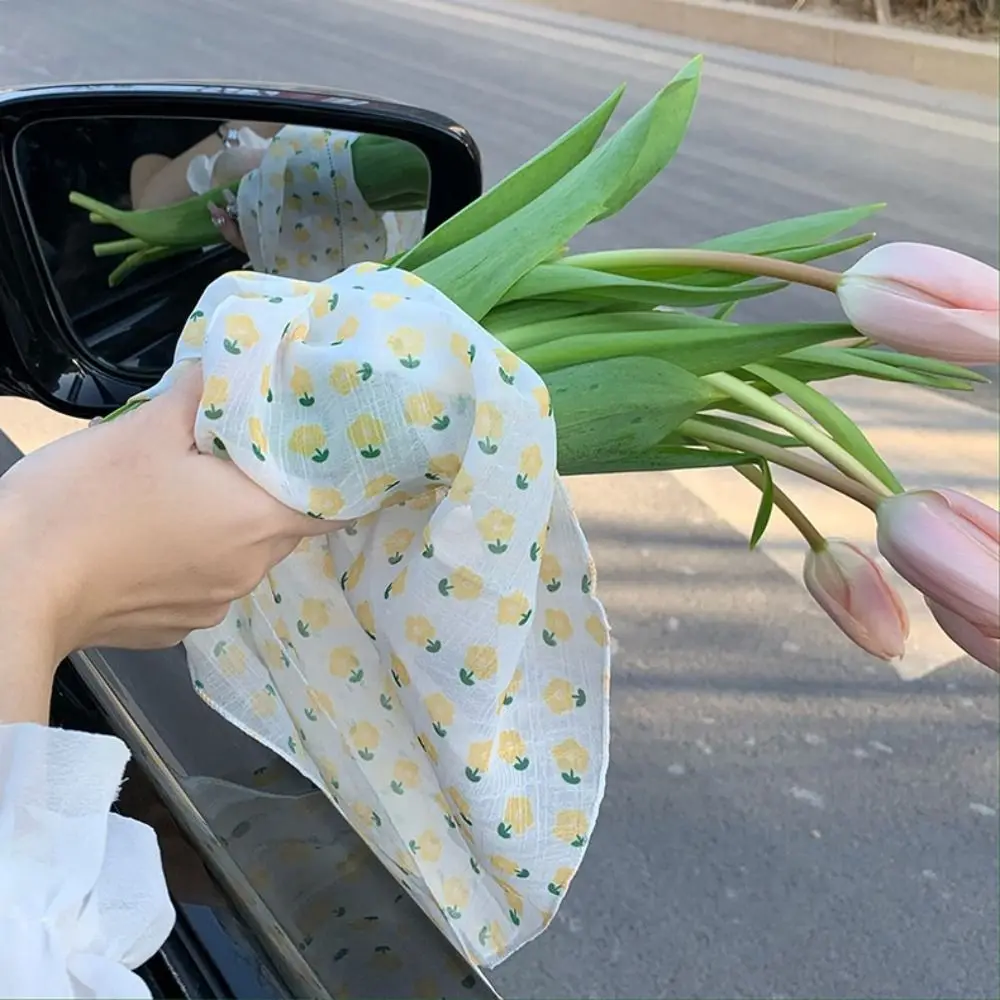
(710, 260)
(787, 506)
(786, 458)
(808, 433)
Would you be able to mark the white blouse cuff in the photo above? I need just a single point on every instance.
(83, 899)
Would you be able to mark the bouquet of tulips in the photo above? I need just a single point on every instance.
(647, 368)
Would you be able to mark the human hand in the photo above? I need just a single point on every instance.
(122, 534)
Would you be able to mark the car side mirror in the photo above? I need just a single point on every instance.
(119, 203)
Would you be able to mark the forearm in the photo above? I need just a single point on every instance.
(28, 656)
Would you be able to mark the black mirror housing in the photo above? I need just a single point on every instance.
(42, 355)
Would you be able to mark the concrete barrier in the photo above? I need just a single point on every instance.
(954, 63)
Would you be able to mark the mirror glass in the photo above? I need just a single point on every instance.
(135, 216)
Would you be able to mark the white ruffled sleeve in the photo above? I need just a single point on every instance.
(83, 899)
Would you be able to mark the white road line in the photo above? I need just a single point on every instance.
(792, 89)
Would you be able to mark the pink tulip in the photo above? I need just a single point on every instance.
(980, 647)
(947, 545)
(925, 300)
(851, 589)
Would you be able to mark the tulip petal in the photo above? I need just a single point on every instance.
(980, 647)
(947, 276)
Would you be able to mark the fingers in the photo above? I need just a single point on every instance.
(227, 226)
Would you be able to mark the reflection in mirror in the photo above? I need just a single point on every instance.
(135, 216)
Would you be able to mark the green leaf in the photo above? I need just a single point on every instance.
(913, 362)
(512, 315)
(662, 458)
(766, 507)
(791, 234)
(831, 418)
(701, 350)
(567, 281)
(516, 190)
(476, 274)
(620, 407)
(752, 430)
(605, 323)
(815, 364)
(664, 140)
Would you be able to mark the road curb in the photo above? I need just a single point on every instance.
(954, 63)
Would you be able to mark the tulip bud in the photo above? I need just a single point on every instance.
(850, 588)
(925, 300)
(947, 545)
(980, 647)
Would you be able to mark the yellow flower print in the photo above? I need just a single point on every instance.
(461, 487)
(265, 384)
(444, 467)
(346, 331)
(496, 937)
(273, 654)
(518, 817)
(541, 394)
(329, 568)
(241, 334)
(300, 331)
(344, 663)
(511, 750)
(424, 501)
(421, 632)
(314, 617)
(551, 572)
(480, 665)
(324, 301)
(424, 409)
(263, 704)
(258, 439)
(352, 577)
(428, 747)
(441, 711)
(302, 386)
(507, 698)
(231, 658)
(407, 344)
(398, 670)
(455, 892)
(463, 585)
(379, 485)
(309, 441)
(572, 760)
(280, 628)
(366, 433)
(459, 804)
(530, 466)
(571, 827)
(561, 698)
(508, 364)
(560, 881)
(320, 703)
(193, 333)
(344, 377)
(413, 280)
(405, 775)
(397, 499)
(325, 501)
(514, 609)
(396, 545)
(488, 427)
(427, 846)
(496, 528)
(478, 761)
(405, 861)
(328, 771)
(597, 630)
(365, 618)
(462, 349)
(538, 545)
(214, 396)
(558, 627)
(301, 288)
(365, 738)
(507, 867)
(396, 587)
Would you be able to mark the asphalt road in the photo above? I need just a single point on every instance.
(784, 818)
